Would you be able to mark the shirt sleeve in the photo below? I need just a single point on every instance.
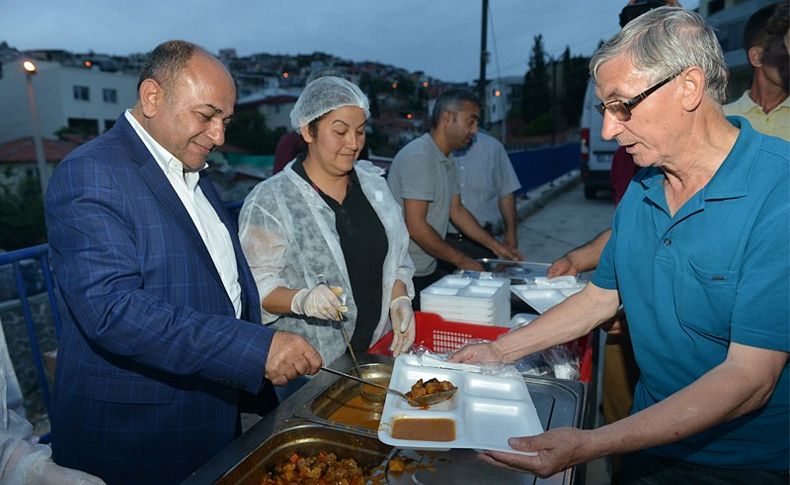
(759, 315)
(605, 275)
(265, 246)
(506, 179)
(418, 178)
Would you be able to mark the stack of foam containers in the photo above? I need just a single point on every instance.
(482, 301)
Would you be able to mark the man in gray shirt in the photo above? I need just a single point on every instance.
(424, 180)
(487, 185)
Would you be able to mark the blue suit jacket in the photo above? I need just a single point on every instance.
(151, 358)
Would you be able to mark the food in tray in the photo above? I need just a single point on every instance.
(315, 469)
(423, 429)
(432, 386)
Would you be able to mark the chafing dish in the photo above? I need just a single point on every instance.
(305, 439)
(303, 422)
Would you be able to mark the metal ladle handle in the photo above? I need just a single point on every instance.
(365, 381)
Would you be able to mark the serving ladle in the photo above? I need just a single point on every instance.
(426, 400)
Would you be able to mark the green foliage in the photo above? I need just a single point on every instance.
(540, 104)
(248, 130)
(22, 214)
(575, 78)
(537, 94)
(540, 125)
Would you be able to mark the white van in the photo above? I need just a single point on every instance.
(596, 153)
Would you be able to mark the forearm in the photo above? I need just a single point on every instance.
(725, 392)
(571, 319)
(428, 239)
(586, 257)
(278, 301)
(468, 225)
(507, 207)
(398, 289)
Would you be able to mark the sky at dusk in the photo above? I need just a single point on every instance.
(439, 37)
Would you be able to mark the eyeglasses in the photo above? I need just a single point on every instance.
(622, 109)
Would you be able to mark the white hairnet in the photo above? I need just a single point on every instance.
(323, 95)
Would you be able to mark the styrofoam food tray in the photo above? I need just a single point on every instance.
(542, 300)
(544, 293)
(487, 410)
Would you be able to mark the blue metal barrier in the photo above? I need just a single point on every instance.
(15, 258)
(538, 166)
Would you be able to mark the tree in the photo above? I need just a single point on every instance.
(575, 76)
(22, 214)
(248, 130)
(536, 100)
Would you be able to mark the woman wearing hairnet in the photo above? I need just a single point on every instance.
(329, 220)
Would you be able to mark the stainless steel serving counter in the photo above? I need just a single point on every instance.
(559, 403)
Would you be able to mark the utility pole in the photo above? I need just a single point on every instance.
(481, 86)
(41, 162)
(553, 100)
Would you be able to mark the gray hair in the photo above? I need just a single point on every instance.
(451, 100)
(166, 61)
(665, 41)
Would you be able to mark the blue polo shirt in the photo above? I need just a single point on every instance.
(716, 272)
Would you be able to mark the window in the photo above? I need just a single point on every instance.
(82, 93)
(110, 95)
(83, 126)
(108, 124)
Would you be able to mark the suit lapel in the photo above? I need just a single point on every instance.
(249, 290)
(164, 192)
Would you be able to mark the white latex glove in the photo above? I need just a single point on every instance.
(319, 302)
(402, 317)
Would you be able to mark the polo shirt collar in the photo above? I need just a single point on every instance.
(745, 104)
(731, 179)
(437, 153)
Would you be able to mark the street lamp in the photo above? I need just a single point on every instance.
(41, 163)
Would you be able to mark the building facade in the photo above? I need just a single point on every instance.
(85, 100)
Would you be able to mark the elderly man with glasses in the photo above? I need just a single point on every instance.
(699, 259)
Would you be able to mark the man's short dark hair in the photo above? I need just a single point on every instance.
(780, 20)
(755, 34)
(166, 61)
(451, 100)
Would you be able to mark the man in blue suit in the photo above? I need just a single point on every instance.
(161, 329)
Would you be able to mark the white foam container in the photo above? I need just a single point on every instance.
(469, 300)
(487, 410)
(544, 293)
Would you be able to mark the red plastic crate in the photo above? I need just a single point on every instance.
(439, 335)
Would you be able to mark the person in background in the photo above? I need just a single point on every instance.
(424, 180)
(707, 308)
(22, 459)
(161, 333)
(487, 182)
(779, 24)
(330, 220)
(765, 104)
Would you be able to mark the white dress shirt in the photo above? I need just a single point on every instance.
(213, 232)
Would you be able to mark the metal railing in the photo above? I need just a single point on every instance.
(15, 259)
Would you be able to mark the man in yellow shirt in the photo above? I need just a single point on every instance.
(765, 104)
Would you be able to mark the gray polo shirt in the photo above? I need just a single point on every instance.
(420, 171)
(486, 175)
